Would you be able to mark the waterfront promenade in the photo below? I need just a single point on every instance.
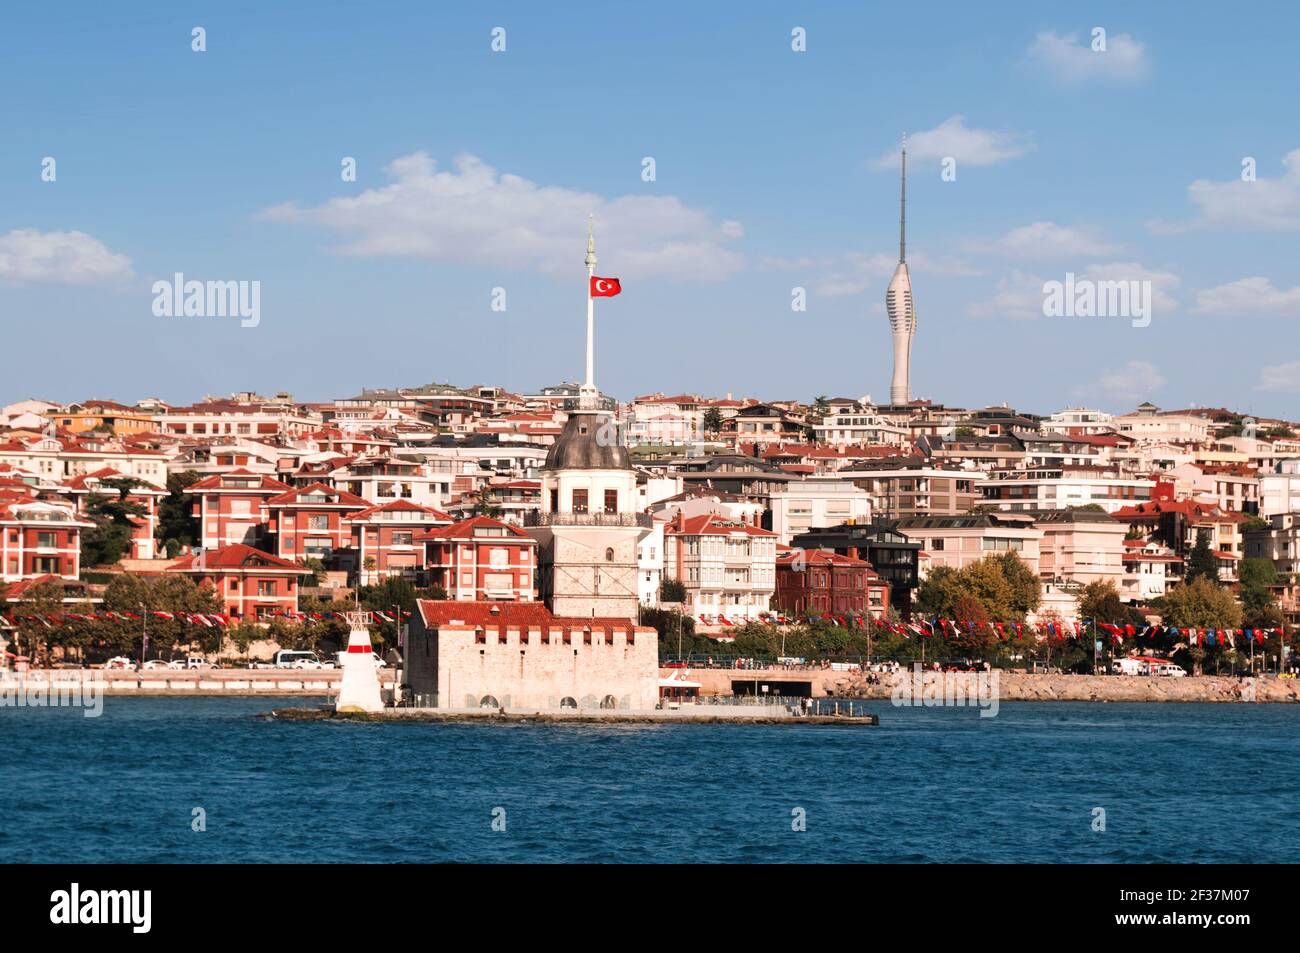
(169, 682)
(1012, 686)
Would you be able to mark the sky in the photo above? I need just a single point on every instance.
(774, 169)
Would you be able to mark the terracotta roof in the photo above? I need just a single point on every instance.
(294, 496)
(398, 506)
(465, 530)
(711, 524)
(442, 612)
(214, 482)
(235, 556)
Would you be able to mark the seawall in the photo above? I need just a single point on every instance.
(1012, 686)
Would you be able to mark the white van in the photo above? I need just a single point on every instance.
(1169, 670)
(286, 658)
(1129, 666)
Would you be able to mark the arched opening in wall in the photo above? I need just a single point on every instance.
(488, 701)
(609, 701)
(609, 554)
(568, 701)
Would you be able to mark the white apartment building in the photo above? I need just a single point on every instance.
(1149, 566)
(650, 563)
(1062, 488)
(958, 541)
(1147, 424)
(860, 427)
(815, 502)
(1279, 491)
(727, 566)
(1080, 420)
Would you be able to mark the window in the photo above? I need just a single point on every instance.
(579, 501)
(318, 522)
(403, 539)
(611, 501)
(609, 554)
(266, 587)
(47, 540)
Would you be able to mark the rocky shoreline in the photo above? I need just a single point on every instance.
(1117, 688)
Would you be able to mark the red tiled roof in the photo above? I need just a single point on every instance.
(711, 524)
(214, 482)
(235, 556)
(439, 612)
(293, 497)
(405, 506)
(465, 530)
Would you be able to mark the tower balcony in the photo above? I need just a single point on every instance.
(642, 520)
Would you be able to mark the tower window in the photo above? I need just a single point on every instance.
(611, 501)
(579, 501)
(609, 554)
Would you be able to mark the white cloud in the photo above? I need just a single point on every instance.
(1072, 60)
(1047, 241)
(1280, 378)
(1132, 383)
(27, 255)
(850, 273)
(1248, 297)
(952, 137)
(474, 214)
(1020, 296)
(1271, 205)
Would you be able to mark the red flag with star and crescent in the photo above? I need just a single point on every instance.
(604, 287)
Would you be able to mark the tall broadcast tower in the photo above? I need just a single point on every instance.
(898, 302)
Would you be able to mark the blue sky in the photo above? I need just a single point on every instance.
(774, 169)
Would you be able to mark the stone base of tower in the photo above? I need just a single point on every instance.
(521, 656)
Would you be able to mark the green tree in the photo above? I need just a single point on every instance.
(821, 406)
(177, 526)
(1257, 577)
(1201, 562)
(112, 513)
(1100, 601)
(672, 590)
(712, 421)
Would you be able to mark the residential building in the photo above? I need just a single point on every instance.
(1080, 547)
(894, 557)
(728, 567)
(897, 491)
(823, 582)
(812, 502)
(387, 540)
(959, 541)
(40, 538)
(231, 508)
(309, 522)
(482, 559)
(251, 584)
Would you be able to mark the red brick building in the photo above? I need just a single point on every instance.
(821, 582)
(230, 507)
(482, 559)
(39, 538)
(252, 584)
(310, 522)
(391, 534)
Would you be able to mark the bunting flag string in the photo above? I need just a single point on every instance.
(210, 619)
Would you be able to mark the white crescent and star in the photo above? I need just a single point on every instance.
(603, 285)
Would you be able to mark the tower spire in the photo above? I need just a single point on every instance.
(902, 208)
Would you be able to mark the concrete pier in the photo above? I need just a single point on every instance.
(165, 682)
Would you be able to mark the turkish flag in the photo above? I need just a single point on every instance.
(604, 287)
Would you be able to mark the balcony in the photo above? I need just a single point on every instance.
(643, 520)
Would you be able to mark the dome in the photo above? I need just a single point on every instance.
(589, 441)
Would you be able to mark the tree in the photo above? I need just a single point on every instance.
(1257, 577)
(712, 421)
(672, 590)
(112, 513)
(1201, 563)
(1200, 604)
(821, 406)
(177, 526)
(1100, 601)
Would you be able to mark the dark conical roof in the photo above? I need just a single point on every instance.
(589, 441)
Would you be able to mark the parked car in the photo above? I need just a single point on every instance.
(154, 664)
(287, 658)
(1169, 670)
(119, 662)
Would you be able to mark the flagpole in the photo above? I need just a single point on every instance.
(587, 396)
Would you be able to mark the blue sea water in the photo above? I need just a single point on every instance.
(1177, 783)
